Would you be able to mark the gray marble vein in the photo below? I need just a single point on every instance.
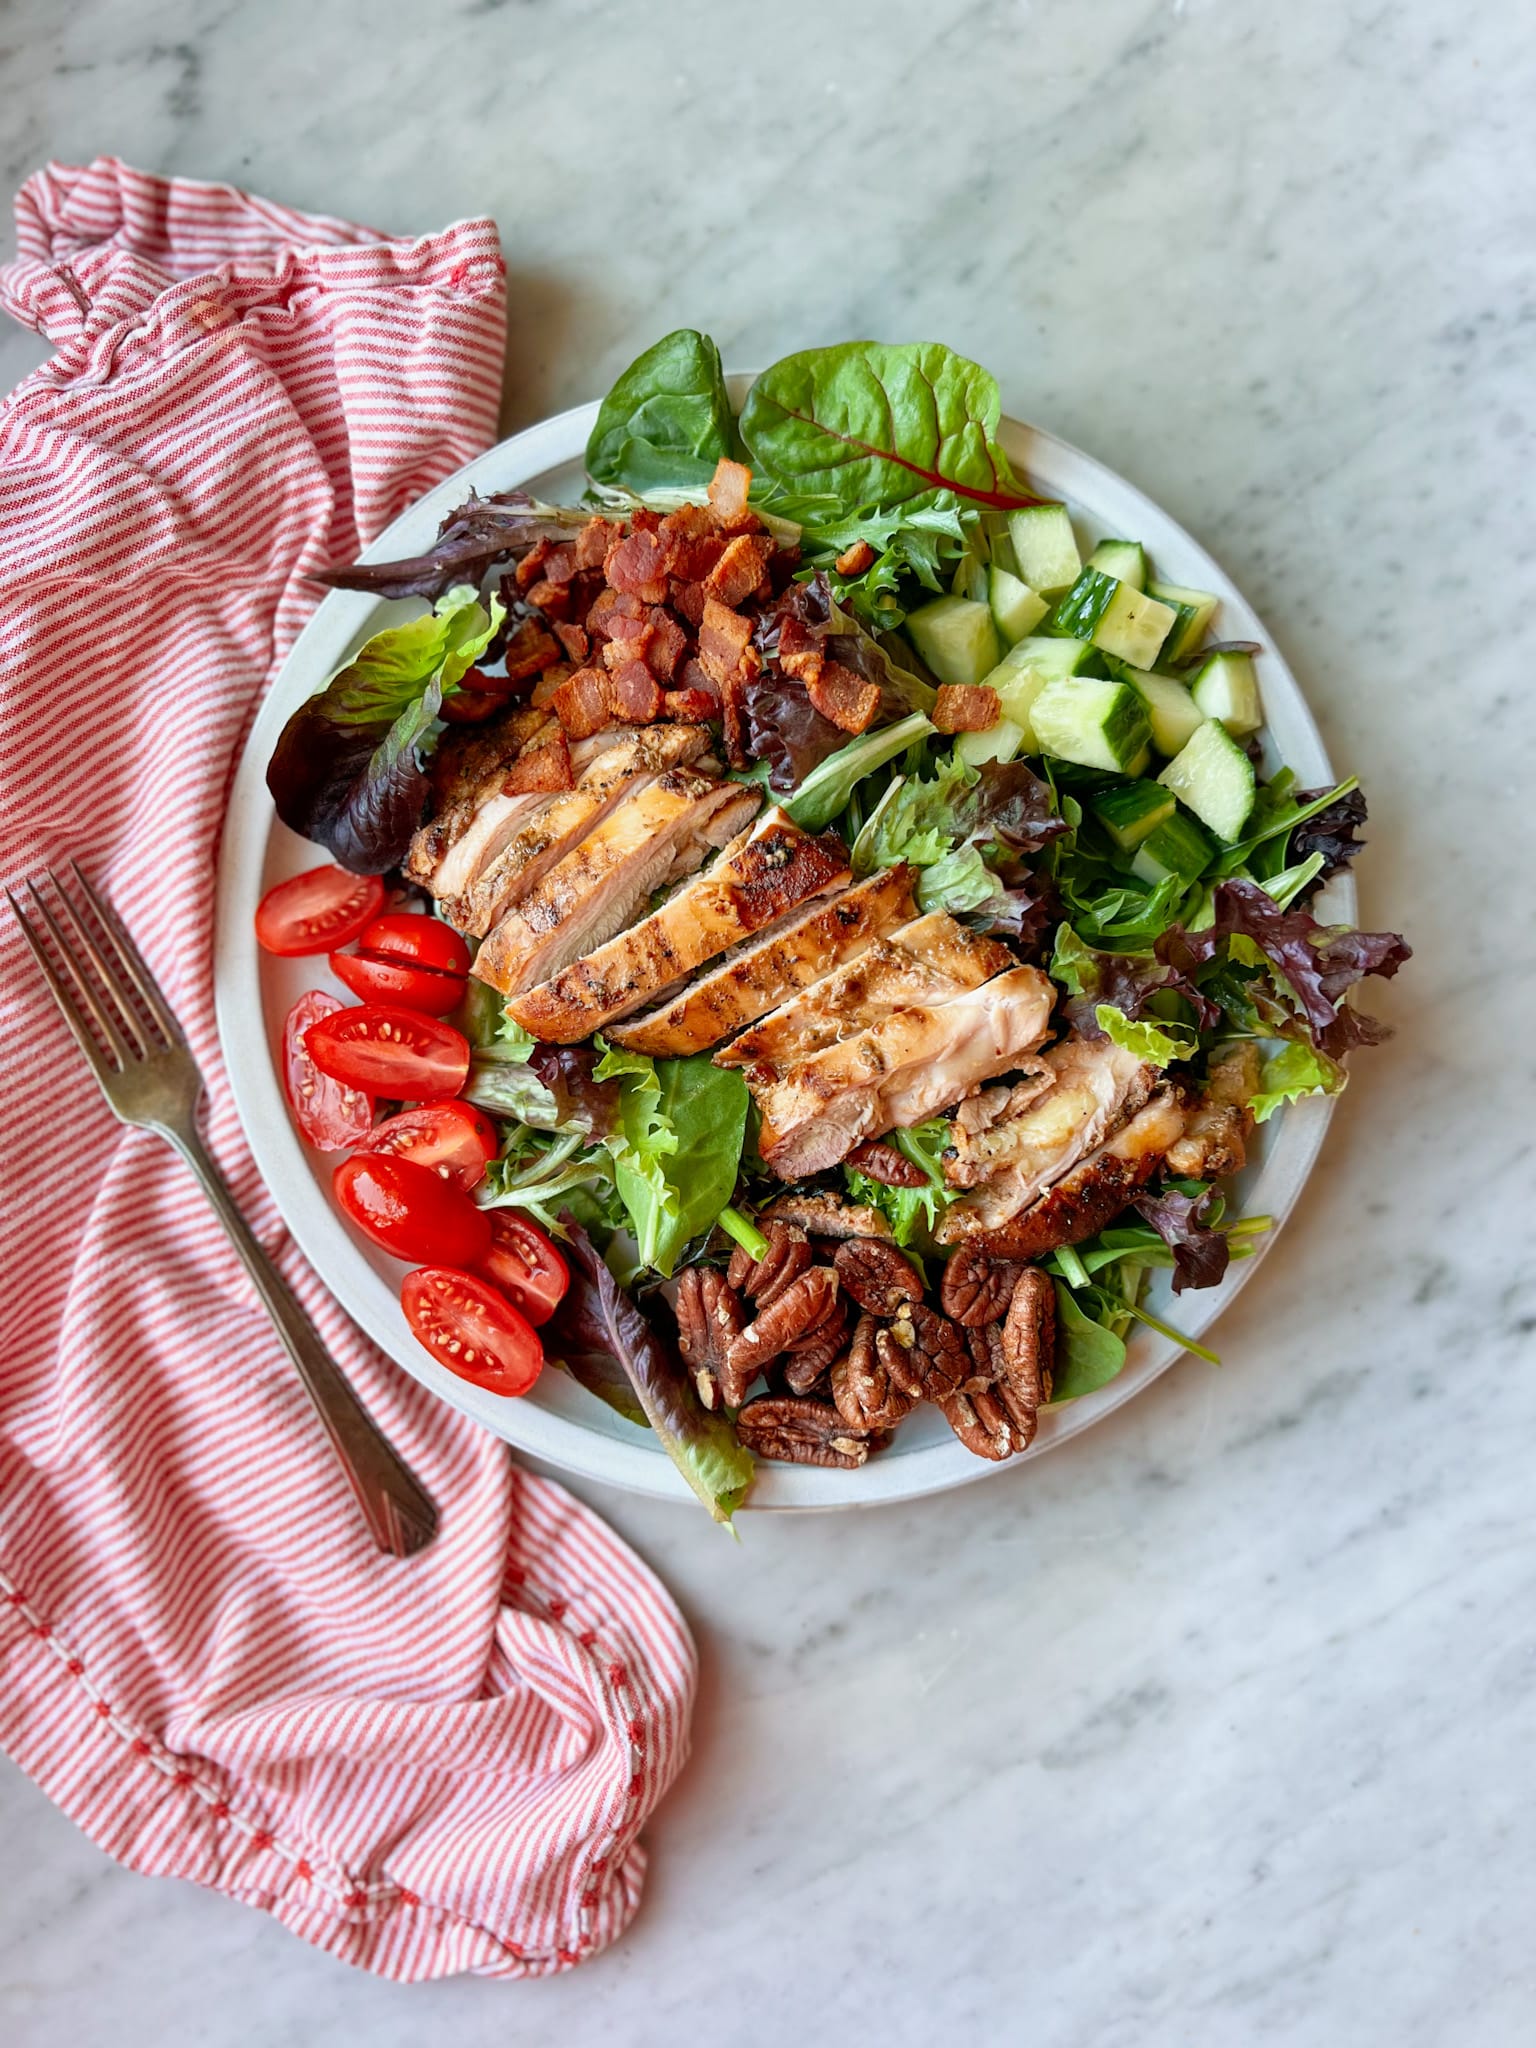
(1215, 1727)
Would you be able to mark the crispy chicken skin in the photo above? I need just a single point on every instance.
(788, 957)
(1215, 1138)
(768, 871)
(663, 829)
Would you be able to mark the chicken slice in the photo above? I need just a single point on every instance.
(666, 825)
(1215, 1138)
(467, 773)
(532, 842)
(1083, 1201)
(789, 956)
(500, 814)
(770, 870)
(913, 1061)
(927, 961)
(1087, 1087)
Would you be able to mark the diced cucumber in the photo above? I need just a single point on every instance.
(956, 637)
(1024, 672)
(1131, 810)
(999, 742)
(1213, 775)
(970, 579)
(1226, 687)
(1195, 609)
(1003, 556)
(1114, 617)
(1141, 763)
(1095, 722)
(1016, 609)
(1178, 847)
(1125, 559)
(1053, 655)
(1044, 547)
(1173, 712)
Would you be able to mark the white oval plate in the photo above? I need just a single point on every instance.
(558, 1421)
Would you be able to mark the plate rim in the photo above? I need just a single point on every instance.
(338, 1258)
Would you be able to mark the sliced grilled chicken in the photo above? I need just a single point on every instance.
(497, 817)
(1088, 1087)
(531, 842)
(1214, 1141)
(913, 1061)
(1083, 1201)
(595, 890)
(926, 961)
(467, 773)
(788, 957)
(768, 871)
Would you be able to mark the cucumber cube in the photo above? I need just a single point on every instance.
(1054, 655)
(1016, 609)
(1173, 712)
(1132, 810)
(1124, 559)
(1194, 608)
(1226, 687)
(1094, 722)
(1214, 777)
(1003, 556)
(1177, 847)
(1119, 620)
(999, 742)
(956, 637)
(1044, 547)
(1024, 672)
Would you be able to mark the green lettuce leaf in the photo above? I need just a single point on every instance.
(826, 790)
(668, 419)
(1297, 1069)
(911, 1212)
(1155, 1040)
(678, 1152)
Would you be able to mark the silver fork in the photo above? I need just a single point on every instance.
(149, 1077)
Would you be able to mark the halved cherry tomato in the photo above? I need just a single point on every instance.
(454, 1139)
(329, 1115)
(386, 1050)
(410, 1211)
(408, 935)
(470, 1328)
(524, 1263)
(377, 980)
(316, 911)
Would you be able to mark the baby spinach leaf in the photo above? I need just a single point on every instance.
(667, 420)
(869, 423)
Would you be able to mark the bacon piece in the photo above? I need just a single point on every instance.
(633, 695)
(644, 520)
(531, 649)
(581, 703)
(688, 599)
(610, 605)
(844, 697)
(664, 649)
(723, 638)
(966, 707)
(728, 489)
(733, 706)
(593, 542)
(543, 692)
(855, 560)
(690, 706)
(740, 569)
(694, 676)
(531, 567)
(637, 567)
(799, 650)
(546, 766)
(553, 598)
(560, 564)
(573, 639)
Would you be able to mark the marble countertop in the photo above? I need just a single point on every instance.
(1214, 1727)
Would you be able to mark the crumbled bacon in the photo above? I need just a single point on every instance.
(560, 564)
(581, 703)
(694, 676)
(664, 649)
(690, 707)
(688, 600)
(573, 639)
(633, 694)
(543, 693)
(644, 520)
(531, 567)
(855, 560)
(610, 605)
(728, 489)
(593, 542)
(966, 707)
(552, 598)
(723, 639)
(844, 697)
(800, 652)
(740, 569)
(637, 566)
(733, 708)
(545, 766)
(531, 648)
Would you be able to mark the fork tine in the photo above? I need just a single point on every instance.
(83, 988)
(131, 959)
(93, 1053)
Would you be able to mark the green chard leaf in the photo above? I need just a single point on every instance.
(668, 419)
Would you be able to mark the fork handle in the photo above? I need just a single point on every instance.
(399, 1512)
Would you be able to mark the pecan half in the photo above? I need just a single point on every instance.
(862, 1387)
(997, 1414)
(809, 1356)
(882, 1162)
(983, 1424)
(927, 1354)
(976, 1289)
(1029, 1343)
(787, 1257)
(798, 1432)
(709, 1318)
(876, 1275)
(798, 1311)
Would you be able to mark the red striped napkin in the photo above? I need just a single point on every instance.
(425, 1766)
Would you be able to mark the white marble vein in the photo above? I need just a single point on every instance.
(1215, 1727)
